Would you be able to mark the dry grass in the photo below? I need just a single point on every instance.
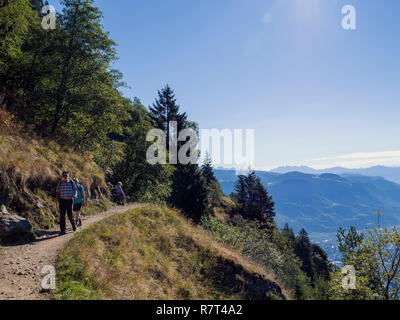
(35, 159)
(154, 253)
(30, 169)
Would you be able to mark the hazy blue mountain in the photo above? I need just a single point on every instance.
(322, 203)
(389, 173)
(287, 169)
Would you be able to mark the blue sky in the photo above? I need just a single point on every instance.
(314, 93)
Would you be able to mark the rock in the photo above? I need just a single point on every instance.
(13, 226)
(3, 210)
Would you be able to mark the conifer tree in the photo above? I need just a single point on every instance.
(207, 170)
(190, 192)
(164, 110)
(303, 251)
(252, 199)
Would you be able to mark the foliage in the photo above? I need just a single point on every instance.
(269, 248)
(142, 181)
(16, 17)
(376, 259)
(65, 82)
(252, 199)
(165, 110)
(215, 192)
(189, 191)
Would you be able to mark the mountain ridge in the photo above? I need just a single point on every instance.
(324, 202)
(389, 173)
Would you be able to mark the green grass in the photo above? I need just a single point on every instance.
(153, 253)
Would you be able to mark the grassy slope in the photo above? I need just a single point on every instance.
(30, 169)
(154, 253)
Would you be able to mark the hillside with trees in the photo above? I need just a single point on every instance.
(62, 108)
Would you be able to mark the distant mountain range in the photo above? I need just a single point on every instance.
(324, 202)
(389, 173)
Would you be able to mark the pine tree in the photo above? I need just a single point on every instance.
(190, 192)
(207, 170)
(164, 110)
(189, 188)
(303, 251)
(252, 199)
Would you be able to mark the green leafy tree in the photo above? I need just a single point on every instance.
(16, 18)
(66, 85)
(142, 181)
(376, 260)
(85, 56)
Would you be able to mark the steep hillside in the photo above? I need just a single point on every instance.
(29, 171)
(154, 253)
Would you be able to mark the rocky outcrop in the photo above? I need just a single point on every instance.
(13, 226)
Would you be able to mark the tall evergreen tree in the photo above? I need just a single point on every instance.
(207, 170)
(164, 110)
(303, 251)
(215, 192)
(252, 199)
(189, 189)
(190, 192)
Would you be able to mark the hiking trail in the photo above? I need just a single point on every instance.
(21, 264)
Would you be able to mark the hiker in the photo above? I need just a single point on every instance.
(120, 194)
(66, 194)
(79, 202)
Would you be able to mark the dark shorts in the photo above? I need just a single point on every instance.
(77, 206)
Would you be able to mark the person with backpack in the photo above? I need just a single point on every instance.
(120, 194)
(79, 202)
(66, 194)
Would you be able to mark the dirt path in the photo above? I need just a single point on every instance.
(21, 265)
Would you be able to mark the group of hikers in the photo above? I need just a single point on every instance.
(72, 197)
